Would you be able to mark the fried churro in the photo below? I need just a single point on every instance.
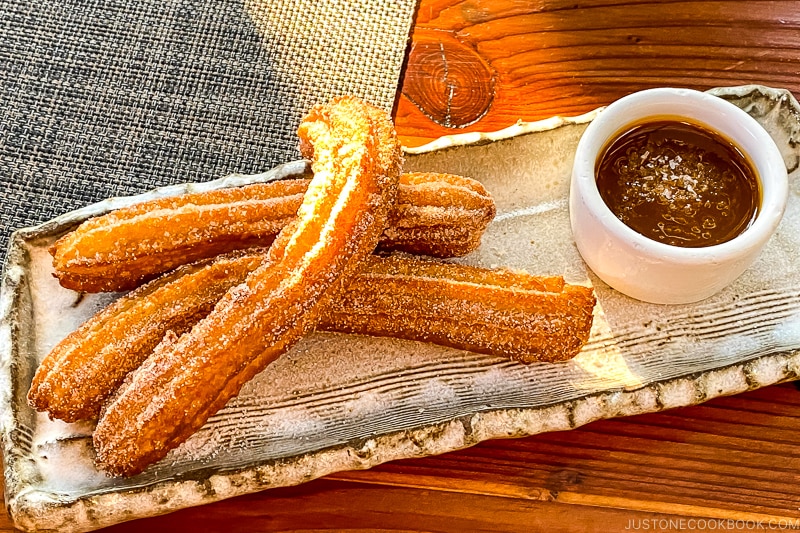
(440, 215)
(493, 311)
(356, 160)
(89, 364)
(498, 312)
(157, 363)
(119, 250)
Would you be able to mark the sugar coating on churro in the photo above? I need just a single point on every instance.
(500, 312)
(339, 223)
(495, 311)
(78, 375)
(435, 214)
(441, 215)
(119, 250)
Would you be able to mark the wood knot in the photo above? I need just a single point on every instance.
(448, 80)
(564, 480)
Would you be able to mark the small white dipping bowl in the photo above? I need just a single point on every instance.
(653, 271)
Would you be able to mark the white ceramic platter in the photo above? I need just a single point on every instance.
(339, 402)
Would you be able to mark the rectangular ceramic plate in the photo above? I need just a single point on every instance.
(339, 402)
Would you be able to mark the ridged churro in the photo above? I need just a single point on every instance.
(89, 364)
(356, 160)
(440, 215)
(498, 312)
(119, 250)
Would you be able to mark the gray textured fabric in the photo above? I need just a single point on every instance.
(101, 98)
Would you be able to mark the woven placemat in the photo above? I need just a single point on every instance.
(106, 98)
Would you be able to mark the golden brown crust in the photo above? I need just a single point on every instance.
(499, 312)
(338, 225)
(436, 214)
(78, 375)
(441, 215)
(119, 250)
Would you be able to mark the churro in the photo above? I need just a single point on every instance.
(119, 250)
(440, 215)
(493, 311)
(498, 312)
(356, 160)
(89, 364)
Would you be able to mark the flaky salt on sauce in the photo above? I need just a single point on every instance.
(678, 183)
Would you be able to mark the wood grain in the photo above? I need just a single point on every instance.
(565, 58)
(448, 80)
(708, 460)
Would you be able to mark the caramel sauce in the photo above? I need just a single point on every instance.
(678, 183)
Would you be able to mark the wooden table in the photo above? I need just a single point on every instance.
(483, 65)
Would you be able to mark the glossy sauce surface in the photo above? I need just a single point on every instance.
(678, 183)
